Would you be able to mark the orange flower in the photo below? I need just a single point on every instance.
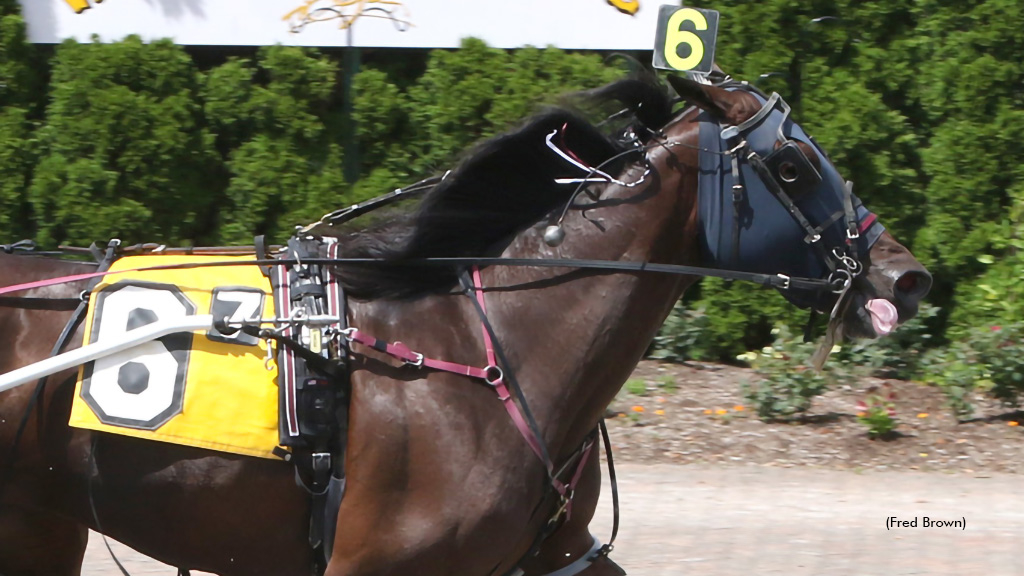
(638, 408)
(720, 411)
(922, 415)
(738, 408)
(708, 411)
(860, 414)
(1013, 423)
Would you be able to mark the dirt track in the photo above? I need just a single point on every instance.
(731, 520)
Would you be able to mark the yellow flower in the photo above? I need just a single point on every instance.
(923, 454)
(720, 411)
(638, 408)
(860, 414)
(659, 412)
(922, 415)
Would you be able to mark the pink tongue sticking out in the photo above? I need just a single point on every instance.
(883, 316)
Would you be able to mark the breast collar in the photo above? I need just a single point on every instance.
(765, 208)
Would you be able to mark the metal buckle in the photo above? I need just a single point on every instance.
(321, 461)
(785, 281)
(418, 362)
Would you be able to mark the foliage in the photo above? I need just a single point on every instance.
(274, 125)
(682, 336)
(989, 360)
(125, 151)
(787, 386)
(636, 387)
(878, 412)
(722, 320)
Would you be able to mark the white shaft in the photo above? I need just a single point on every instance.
(96, 350)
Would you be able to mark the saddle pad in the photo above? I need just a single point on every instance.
(200, 389)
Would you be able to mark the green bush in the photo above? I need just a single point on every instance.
(878, 412)
(988, 360)
(682, 337)
(787, 384)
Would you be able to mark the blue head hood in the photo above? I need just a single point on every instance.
(770, 240)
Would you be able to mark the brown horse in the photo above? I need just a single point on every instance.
(439, 479)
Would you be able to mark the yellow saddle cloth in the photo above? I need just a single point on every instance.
(199, 389)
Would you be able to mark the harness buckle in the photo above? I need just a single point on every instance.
(812, 239)
(321, 461)
(418, 362)
(852, 233)
(785, 281)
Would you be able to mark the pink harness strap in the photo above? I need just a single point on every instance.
(493, 376)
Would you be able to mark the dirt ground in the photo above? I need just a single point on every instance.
(708, 488)
(697, 414)
(736, 520)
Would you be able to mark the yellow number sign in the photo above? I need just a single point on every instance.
(685, 40)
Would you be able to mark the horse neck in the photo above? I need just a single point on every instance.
(576, 340)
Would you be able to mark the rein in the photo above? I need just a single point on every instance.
(780, 281)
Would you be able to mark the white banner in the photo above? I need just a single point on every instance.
(581, 24)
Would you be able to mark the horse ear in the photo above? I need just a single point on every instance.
(730, 107)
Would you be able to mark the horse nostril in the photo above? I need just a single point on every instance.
(914, 284)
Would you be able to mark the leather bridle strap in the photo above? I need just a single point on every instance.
(523, 418)
(780, 281)
(613, 481)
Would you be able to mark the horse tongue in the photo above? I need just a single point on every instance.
(883, 316)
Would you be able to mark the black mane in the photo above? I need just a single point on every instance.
(504, 185)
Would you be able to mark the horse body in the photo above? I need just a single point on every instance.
(439, 481)
(569, 371)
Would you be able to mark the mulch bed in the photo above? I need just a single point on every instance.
(692, 414)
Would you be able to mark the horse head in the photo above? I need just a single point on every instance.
(771, 201)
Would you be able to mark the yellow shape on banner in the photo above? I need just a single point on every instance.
(80, 6)
(199, 389)
(626, 6)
